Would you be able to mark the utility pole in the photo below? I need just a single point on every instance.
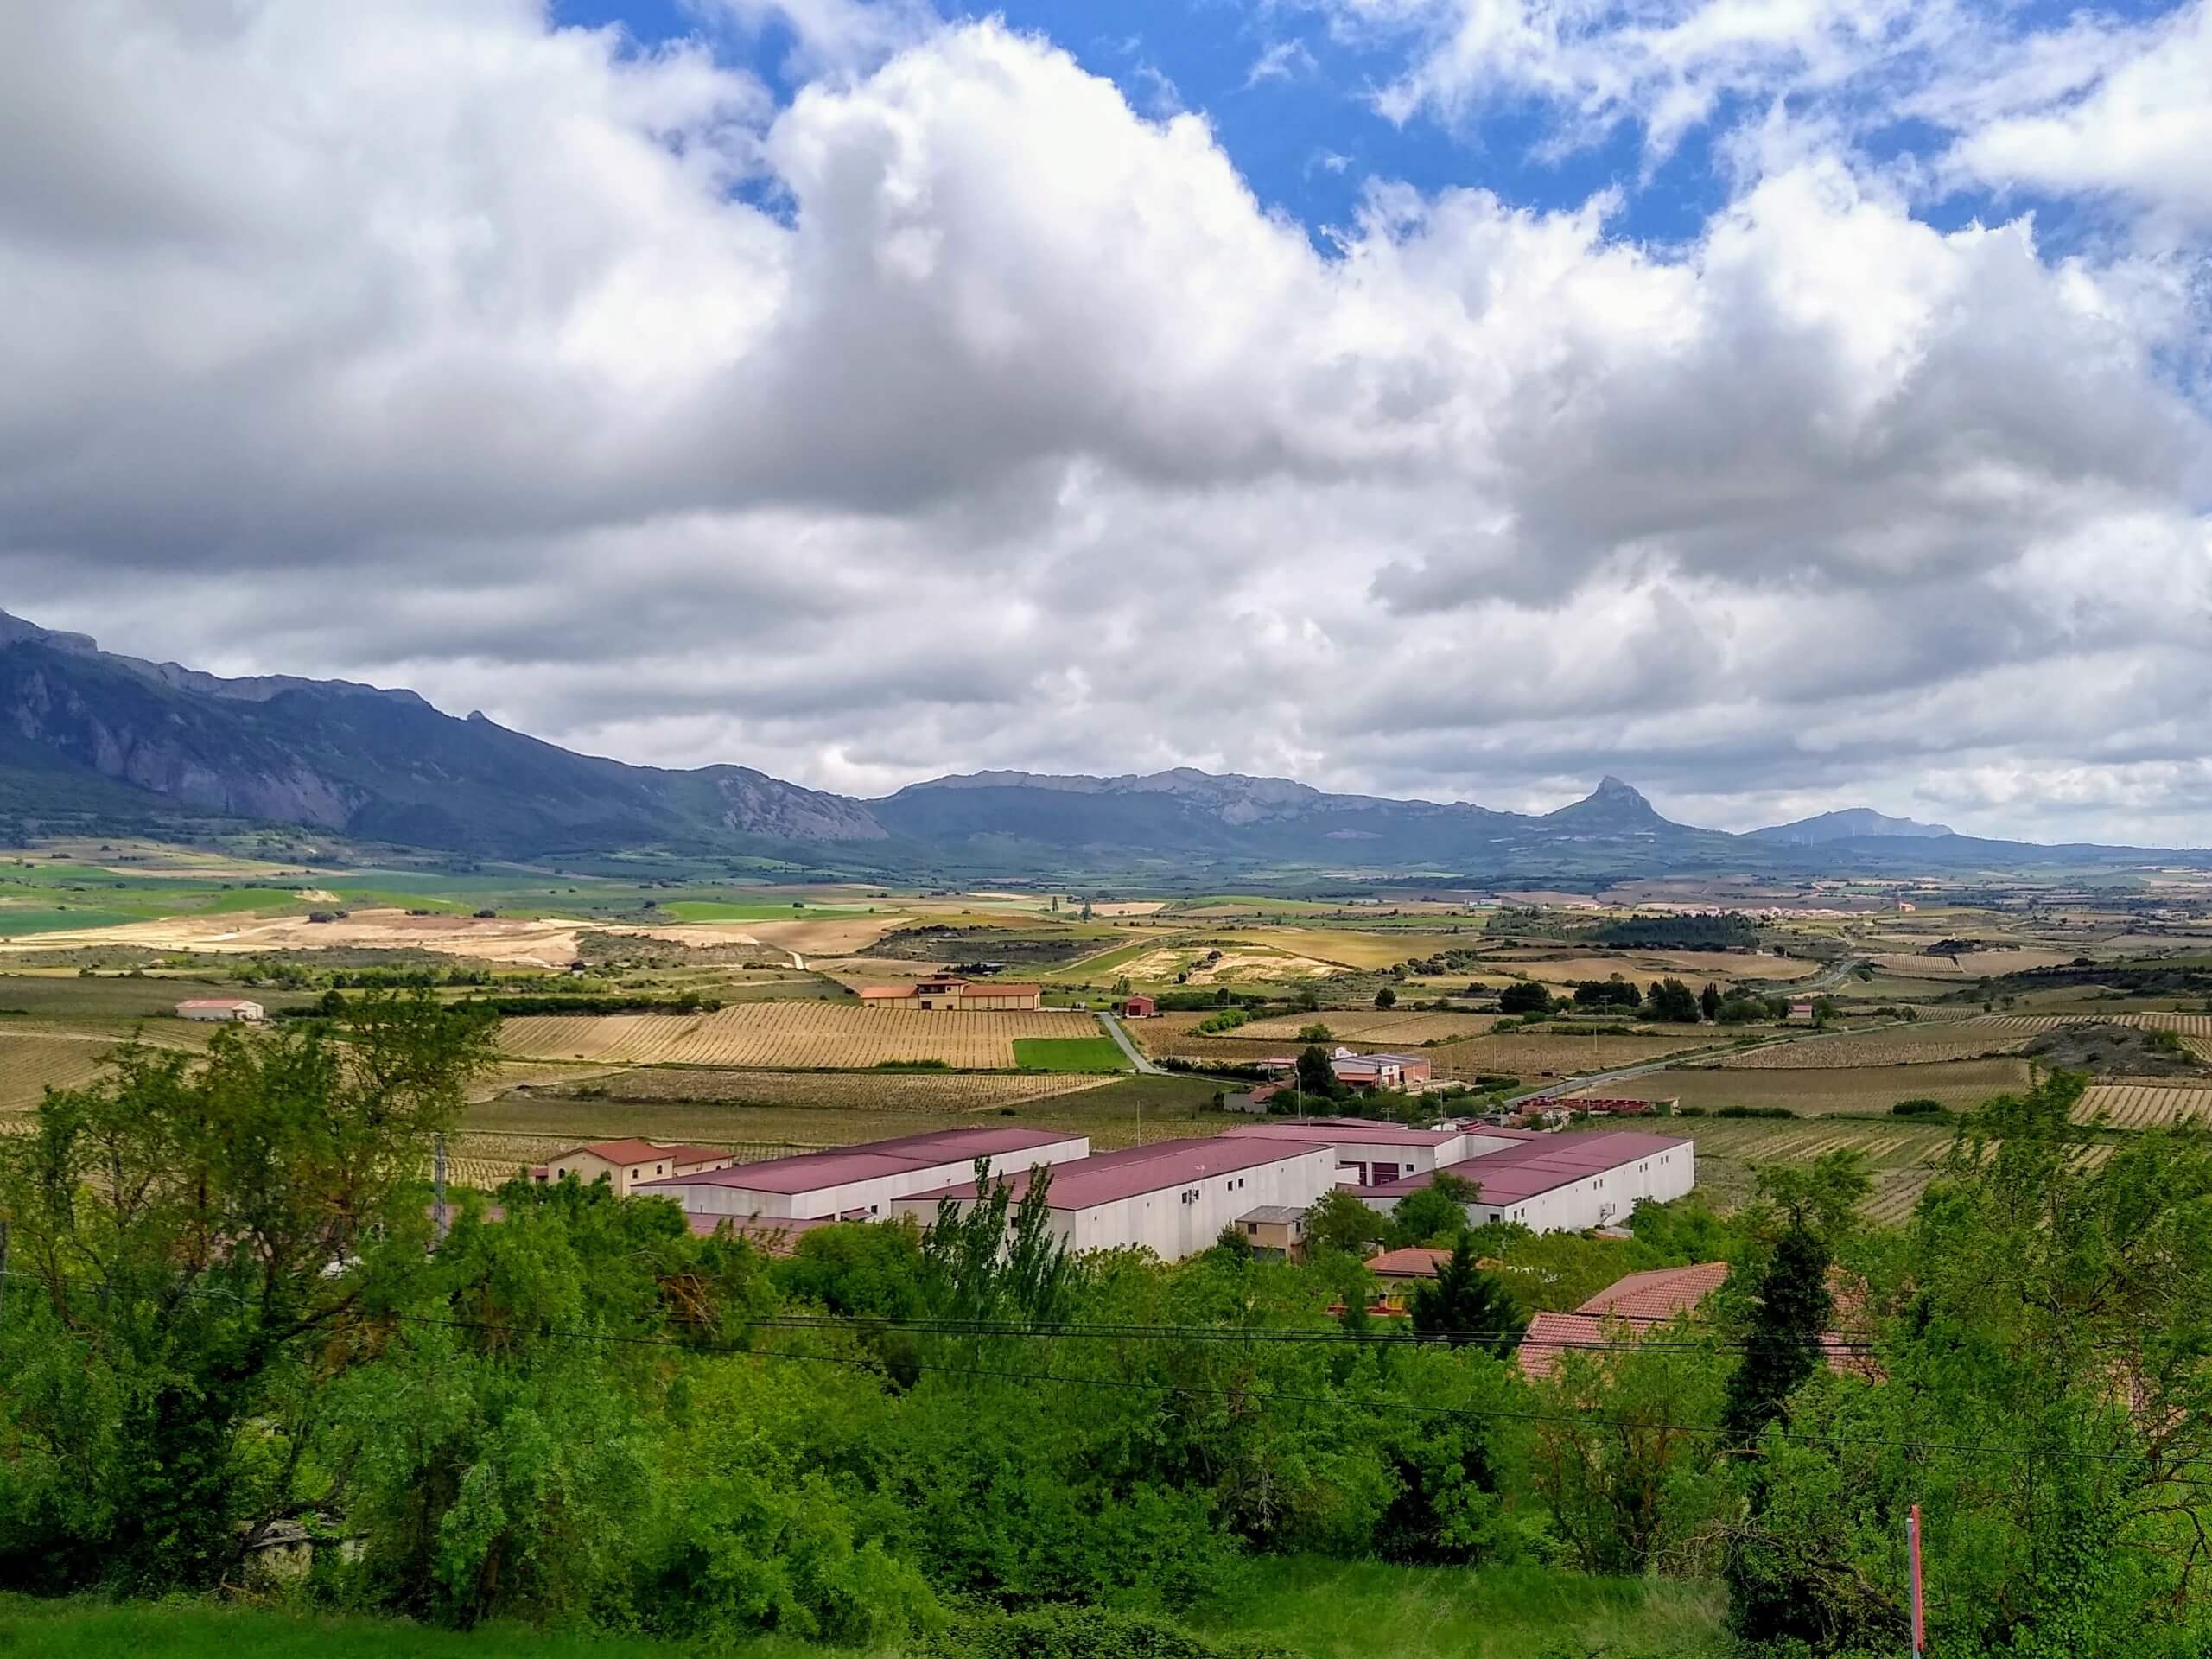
(1912, 1547)
(438, 1188)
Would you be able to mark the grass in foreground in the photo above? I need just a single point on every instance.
(1341, 1610)
(1323, 1609)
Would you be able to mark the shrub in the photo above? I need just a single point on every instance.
(1919, 1106)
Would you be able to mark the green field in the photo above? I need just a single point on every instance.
(716, 910)
(1069, 1054)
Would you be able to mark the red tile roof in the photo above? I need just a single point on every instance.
(1550, 1335)
(1107, 1176)
(1658, 1296)
(1413, 1263)
(837, 1167)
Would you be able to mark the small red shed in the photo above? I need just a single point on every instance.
(1139, 1008)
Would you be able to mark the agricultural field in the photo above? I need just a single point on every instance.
(1959, 1084)
(33, 1062)
(76, 999)
(2121, 1104)
(1897, 1045)
(804, 1035)
(1096, 1053)
(1377, 1029)
(1970, 965)
(1642, 966)
(795, 1110)
(925, 1093)
(1533, 1056)
(1901, 1157)
(1205, 964)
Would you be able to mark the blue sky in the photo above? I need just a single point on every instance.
(1292, 95)
(964, 414)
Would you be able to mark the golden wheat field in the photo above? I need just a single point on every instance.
(2126, 1105)
(787, 1034)
(1947, 1039)
(1377, 1029)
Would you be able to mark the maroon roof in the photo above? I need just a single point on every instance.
(1328, 1130)
(1528, 1168)
(1108, 1176)
(810, 1171)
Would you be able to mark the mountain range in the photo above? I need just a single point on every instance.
(91, 739)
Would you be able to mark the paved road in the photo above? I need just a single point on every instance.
(1114, 1030)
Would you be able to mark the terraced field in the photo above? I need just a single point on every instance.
(1378, 1029)
(784, 1036)
(1959, 1084)
(2124, 1105)
(1901, 1158)
(2197, 1025)
(1948, 1039)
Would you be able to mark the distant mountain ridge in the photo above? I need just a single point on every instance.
(1845, 825)
(99, 737)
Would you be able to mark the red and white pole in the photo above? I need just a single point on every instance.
(1912, 1544)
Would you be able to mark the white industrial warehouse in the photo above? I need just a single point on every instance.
(1555, 1183)
(1176, 1197)
(1173, 1197)
(860, 1182)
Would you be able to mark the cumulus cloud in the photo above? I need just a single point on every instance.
(956, 414)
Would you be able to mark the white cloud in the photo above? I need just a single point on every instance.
(2121, 111)
(420, 342)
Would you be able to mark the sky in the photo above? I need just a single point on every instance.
(1781, 405)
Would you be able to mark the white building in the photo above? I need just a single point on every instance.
(860, 1182)
(1173, 1197)
(625, 1165)
(1556, 1183)
(1369, 1154)
(220, 1007)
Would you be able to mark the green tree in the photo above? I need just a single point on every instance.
(1708, 1001)
(1386, 998)
(1464, 1305)
(1524, 996)
(1671, 1000)
(196, 1246)
(1435, 1214)
(1338, 1221)
(1316, 1075)
(997, 1260)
